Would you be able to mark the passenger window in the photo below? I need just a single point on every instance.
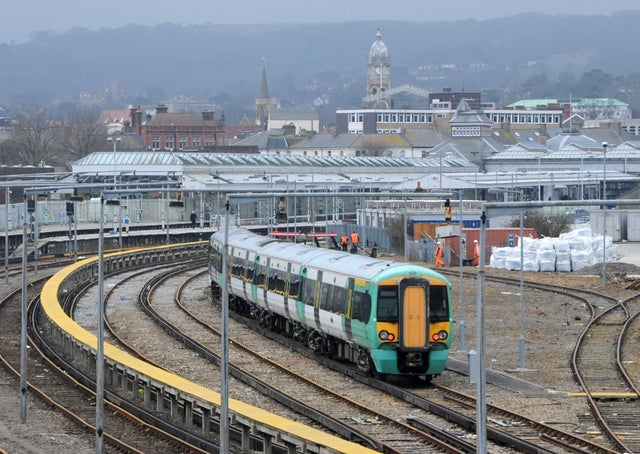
(339, 300)
(326, 296)
(361, 307)
(250, 270)
(294, 286)
(309, 292)
(260, 275)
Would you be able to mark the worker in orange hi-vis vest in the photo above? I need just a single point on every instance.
(439, 254)
(355, 239)
(476, 253)
(344, 242)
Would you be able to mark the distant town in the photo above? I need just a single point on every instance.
(554, 146)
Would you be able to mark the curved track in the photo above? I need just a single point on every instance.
(54, 383)
(327, 406)
(526, 435)
(597, 361)
(597, 365)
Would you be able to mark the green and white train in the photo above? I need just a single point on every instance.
(387, 317)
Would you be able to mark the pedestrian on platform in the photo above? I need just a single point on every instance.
(194, 219)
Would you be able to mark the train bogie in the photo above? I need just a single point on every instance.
(386, 317)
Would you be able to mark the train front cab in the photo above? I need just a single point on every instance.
(413, 325)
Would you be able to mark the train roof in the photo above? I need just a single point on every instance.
(359, 266)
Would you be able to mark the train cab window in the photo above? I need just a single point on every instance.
(438, 306)
(387, 304)
(361, 307)
(294, 286)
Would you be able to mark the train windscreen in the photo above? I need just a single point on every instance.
(388, 304)
(438, 303)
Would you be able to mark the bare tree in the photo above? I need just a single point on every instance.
(33, 140)
(374, 148)
(82, 134)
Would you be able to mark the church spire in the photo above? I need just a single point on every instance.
(264, 88)
(264, 102)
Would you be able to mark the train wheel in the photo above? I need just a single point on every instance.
(314, 341)
(365, 363)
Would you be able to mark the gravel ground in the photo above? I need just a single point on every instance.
(552, 324)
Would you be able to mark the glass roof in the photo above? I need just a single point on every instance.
(186, 159)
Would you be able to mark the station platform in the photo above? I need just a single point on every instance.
(57, 240)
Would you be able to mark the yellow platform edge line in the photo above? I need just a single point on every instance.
(53, 309)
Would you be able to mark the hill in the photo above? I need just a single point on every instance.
(305, 61)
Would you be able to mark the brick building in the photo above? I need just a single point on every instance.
(178, 131)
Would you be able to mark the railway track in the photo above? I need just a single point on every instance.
(362, 417)
(601, 304)
(505, 427)
(55, 385)
(598, 367)
(302, 394)
(71, 391)
(598, 361)
(525, 441)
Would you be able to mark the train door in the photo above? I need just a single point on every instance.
(413, 323)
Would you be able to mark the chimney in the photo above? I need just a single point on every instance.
(161, 109)
(207, 115)
(136, 119)
(289, 130)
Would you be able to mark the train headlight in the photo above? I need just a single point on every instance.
(440, 336)
(386, 336)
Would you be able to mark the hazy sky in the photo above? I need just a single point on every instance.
(20, 18)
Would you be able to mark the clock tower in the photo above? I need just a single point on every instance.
(378, 73)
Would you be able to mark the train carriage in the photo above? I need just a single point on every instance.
(387, 317)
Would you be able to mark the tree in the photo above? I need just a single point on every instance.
(550, 225)
(33, 139)
(372, 147)
(395, 229)
(82, 134)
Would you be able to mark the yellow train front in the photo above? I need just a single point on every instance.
(387, 317)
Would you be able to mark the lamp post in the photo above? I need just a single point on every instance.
(115, 141)
(461, 290)
(521, 337)
(440, 171)
(7, 200)
(604, 215)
